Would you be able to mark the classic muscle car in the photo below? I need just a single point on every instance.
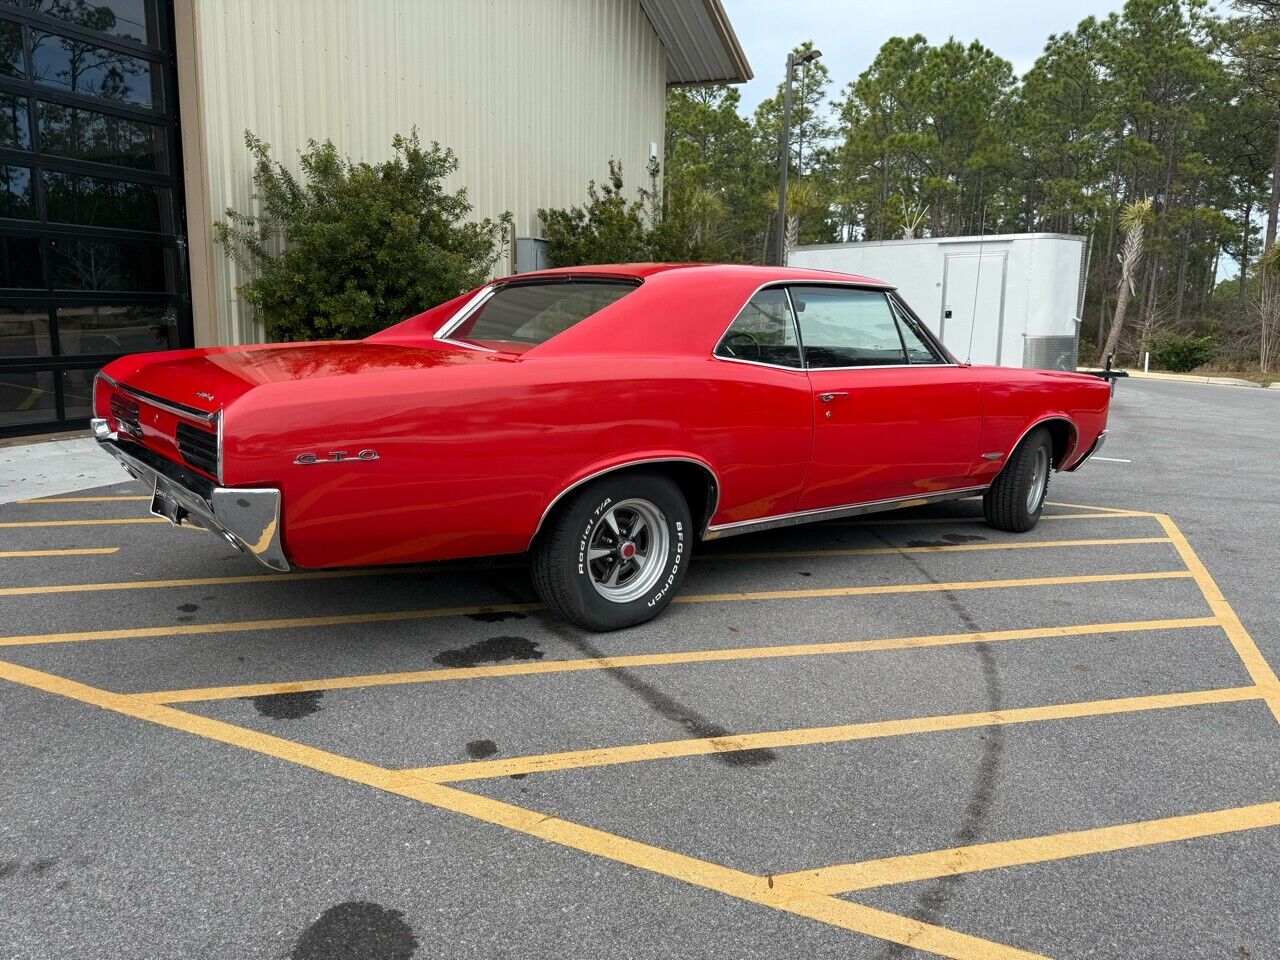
(601, 419)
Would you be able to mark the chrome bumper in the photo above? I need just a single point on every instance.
(1097, 445)
(248, 519)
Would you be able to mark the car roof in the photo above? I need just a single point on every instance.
(639, 271)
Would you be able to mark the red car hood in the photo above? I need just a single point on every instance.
(209, 379)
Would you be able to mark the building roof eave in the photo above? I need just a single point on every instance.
(699, 42)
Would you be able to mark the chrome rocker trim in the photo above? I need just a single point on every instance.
(248, 519)
(1097, 445)
(834, 513)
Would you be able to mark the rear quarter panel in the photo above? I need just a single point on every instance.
(1013, 401)
(470, 457)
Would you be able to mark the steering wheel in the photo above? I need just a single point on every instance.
(741, 338)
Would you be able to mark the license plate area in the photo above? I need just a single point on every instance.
(175, 504)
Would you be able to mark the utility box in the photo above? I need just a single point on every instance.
(1011, 299)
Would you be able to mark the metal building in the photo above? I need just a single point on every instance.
(1011, 299)
(122, 125)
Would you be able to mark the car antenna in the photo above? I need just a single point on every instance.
(977, 281)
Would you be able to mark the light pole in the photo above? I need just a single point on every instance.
(784, 150)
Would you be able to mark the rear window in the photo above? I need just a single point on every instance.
(534, 312)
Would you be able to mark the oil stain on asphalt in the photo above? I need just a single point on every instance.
(357, 931)
(481, 749)
(493, 650)
(288, 706)
(948, 540)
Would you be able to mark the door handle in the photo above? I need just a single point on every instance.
(831, 397)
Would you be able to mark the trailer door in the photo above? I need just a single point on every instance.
(972, 321)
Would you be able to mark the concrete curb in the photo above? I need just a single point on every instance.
(1196, 378)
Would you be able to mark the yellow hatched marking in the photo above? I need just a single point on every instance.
(948, 548)
(660, 660)
(547, 827)
(1261, 672)
(98, 522)
(72, 552)
(611, 756)
(83, 500)
(1015, 853)
(189, 629)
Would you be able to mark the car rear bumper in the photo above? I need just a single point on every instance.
(248, 519)
(1097, 445)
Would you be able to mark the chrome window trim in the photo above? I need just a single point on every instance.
(796, 518)
(795, 328)
(712, 507)
(443, 331)
(922, 330)
(889, 291)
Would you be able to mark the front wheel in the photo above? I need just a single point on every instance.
(1015, 499)
(616, 553)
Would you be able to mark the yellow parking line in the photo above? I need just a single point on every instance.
(71, 552)
(81, 500)
(1090, 507)
(1261, 672)
(188, 629)
(210, 581)
(282, 623)
(948, 548)
(911, 521)
(661, 660)
(1014, 853)
(808, 736)
(870, 591)
(548, 827)
(82, 523)
(391, 571)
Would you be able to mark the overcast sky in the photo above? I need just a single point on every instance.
(849, 32)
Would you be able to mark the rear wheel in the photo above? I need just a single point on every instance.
(616, 553)
(1016, 498)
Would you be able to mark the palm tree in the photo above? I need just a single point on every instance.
(1133, 221)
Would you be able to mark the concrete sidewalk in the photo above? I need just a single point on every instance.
(51, 467)
(1198, 378)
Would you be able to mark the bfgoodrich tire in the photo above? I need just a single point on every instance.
(616, 553)
(1015, 500)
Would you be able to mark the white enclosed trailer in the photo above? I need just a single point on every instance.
(1012, 299)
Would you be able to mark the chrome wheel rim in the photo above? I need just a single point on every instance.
(1039, 480)
(627, 550)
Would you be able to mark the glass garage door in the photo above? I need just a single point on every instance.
(92, 251)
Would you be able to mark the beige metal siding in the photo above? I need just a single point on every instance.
(535, 97)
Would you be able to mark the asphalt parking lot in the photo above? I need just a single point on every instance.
(900, 737)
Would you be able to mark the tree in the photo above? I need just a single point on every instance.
(347, 249)
(1133, 222)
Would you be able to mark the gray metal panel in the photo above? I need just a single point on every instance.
(1050, 353)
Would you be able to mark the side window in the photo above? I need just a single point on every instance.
(762, 332)
(918, 349)
(847, 327)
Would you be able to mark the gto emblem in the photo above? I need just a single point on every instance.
(204, 396)
(335, 456)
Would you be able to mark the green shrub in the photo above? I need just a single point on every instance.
(347, 249)
(1182, 352)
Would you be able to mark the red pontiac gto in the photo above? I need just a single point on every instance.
(604, 419)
